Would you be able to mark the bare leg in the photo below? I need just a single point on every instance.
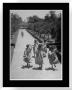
(34, 54)
(41, 66)
(27, 64)
(54, 65)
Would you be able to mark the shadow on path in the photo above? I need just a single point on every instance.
(50, 69)
(23, 67)
(38, 68)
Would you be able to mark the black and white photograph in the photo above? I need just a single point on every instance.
(36, 44)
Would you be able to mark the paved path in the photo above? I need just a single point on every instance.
(16, 72)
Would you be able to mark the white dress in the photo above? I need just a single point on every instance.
(46, 63)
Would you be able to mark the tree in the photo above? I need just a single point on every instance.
(50, 25)
(33, 19)
(54, 22)
(15, 22)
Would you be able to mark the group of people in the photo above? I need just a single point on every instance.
(40, 51)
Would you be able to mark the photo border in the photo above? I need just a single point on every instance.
(61, 11)
(6, 40)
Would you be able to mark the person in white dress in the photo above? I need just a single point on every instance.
(27, 54)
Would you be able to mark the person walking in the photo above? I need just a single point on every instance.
(39, 56)
(22, 34)
(35, 46)
(27, 55)
(52, 57)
